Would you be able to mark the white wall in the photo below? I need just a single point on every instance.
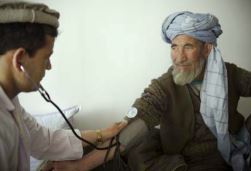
(108, 51)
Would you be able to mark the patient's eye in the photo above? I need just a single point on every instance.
(188, 46)
(173, 46)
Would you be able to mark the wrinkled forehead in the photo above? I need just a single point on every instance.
(184, 39)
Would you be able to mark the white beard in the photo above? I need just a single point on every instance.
(186, 77)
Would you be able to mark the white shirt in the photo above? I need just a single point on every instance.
(39, 142)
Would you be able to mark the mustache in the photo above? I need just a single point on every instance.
(182, 63)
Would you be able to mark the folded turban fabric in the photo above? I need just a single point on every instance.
(204, 27)
(20, 11)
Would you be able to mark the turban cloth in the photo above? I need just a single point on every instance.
(204, 27)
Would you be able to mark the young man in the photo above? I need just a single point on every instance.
(195, 103)
(28, 32)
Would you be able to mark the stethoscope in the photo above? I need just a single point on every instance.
(118, 164)
(47, 98)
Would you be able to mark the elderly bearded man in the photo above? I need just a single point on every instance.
(195, 103)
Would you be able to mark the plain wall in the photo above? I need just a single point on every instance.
(108, 51)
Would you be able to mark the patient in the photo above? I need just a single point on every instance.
(195, 103)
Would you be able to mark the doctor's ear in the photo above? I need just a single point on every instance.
(18, 58)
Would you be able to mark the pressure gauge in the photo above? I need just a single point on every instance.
(132, 112)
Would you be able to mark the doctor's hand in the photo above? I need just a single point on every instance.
(112, 130)
(101, 135)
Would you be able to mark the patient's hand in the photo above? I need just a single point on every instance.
(112, 130)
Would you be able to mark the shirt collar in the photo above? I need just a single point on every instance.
(5, 101)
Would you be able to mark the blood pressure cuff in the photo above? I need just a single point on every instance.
(133, 133)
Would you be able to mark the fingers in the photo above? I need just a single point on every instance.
(121, 124)
(113, 130)
(118, 126)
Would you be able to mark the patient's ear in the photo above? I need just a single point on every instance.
(207, 49)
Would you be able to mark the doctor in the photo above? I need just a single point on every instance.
(28, 32)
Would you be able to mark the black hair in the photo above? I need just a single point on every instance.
(30, 36)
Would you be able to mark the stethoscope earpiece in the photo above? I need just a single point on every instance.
(22, 68)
